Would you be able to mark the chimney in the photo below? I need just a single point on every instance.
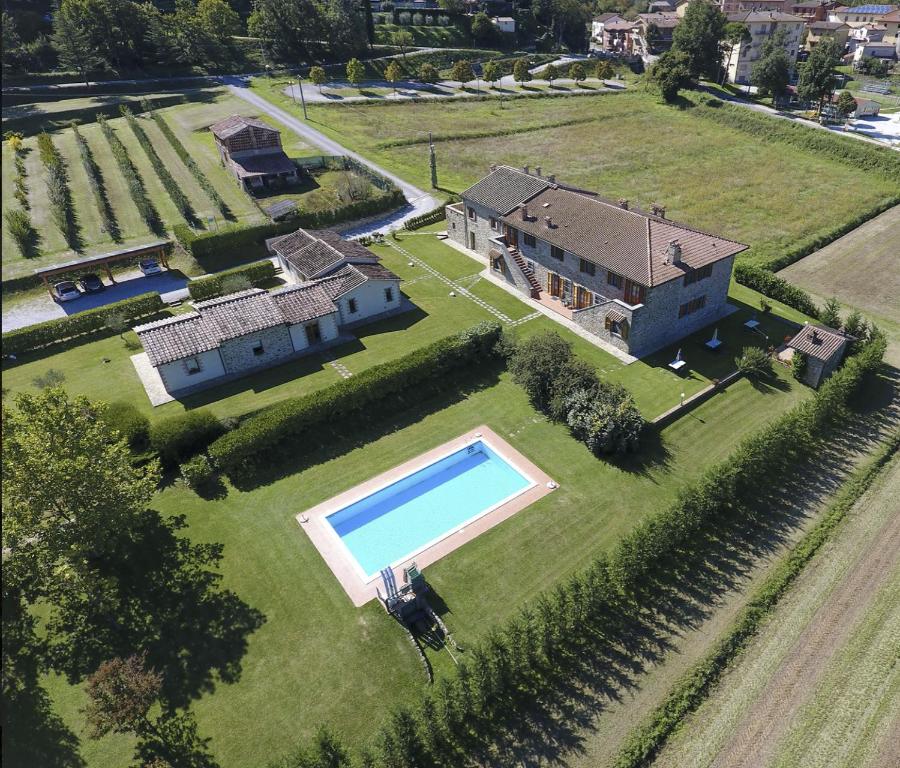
(623, 203)
(524, 213)
(658, 210)
(493, 167)
(548, 222)
(551, 178)
(537, 171)
(525, 169)
(674, 252)
(815, 336)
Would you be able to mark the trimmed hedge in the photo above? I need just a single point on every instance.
(429, 217)
(58, 192)
(95, 180)
(216, 285)
(256, 440)
(769, 284)
(177, 438)
(90, 321)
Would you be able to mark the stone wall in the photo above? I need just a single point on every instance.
(238, 355)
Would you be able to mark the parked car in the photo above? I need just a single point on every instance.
(91, 283)
(66, 291)
(150, 267)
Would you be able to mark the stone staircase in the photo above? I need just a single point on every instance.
(526, 270)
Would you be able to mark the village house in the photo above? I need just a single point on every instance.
(243, 332)
(817, 31)
(617, 36)
(859, 15)
(654, 33)
(252, 151)
(505, 24)
(824, 349)
(880, 50)
(633, 279)
(598, 24)
(762, 26)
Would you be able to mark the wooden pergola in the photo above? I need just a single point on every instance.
(160, 249)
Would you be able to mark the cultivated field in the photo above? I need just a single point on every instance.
(770, 195)
(820, 686)
(861, 269)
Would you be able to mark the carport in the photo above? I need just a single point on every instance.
(160, 249)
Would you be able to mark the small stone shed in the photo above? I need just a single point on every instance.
(823, 347)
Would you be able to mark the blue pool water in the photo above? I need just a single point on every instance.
(397, 521)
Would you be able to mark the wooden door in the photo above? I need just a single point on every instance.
(553, 284)
(583, 297)
(512, 236)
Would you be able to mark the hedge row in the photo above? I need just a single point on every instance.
(859, 154)
(769, 284)
(95, 179)
(520, 673)
(171, 186)
(693, 688)
(202, 180)
(90, 321)
(58, 193)
(183, 435)
(135, 184)
(377, 103)
(429, 217)
(255, 441)
(231, 280)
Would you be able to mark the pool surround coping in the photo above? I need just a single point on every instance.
(361, 587)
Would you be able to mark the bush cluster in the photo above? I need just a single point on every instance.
(754, 362)
(253, 275)
(135, 184)
(396, 382)
(202, 180)
(58, 193)
(95, 180)
(178, 438)
(171, 186)
(424, 219)
(600, 414)
(769, 284)
(531, 659)
(130, 423)
(19, 224)
(197, 472)
(90, 321)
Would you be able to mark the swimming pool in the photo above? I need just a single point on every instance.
(407, 516)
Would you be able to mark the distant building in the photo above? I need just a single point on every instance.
(504, 24)
(598, 24)
(654, 33)
(252, 151)
(617, 36)
(762, 26)
(885, 51)
(858, 15)
(817, 31)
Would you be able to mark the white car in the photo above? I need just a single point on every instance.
(66, 291)
(150, 267)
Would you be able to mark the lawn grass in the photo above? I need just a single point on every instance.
(770, 196)
(427, 36)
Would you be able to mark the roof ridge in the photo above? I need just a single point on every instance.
(228, 297)
(649, 254)
(166, 321)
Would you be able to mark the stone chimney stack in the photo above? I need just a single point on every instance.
(658, 210)
(548, 222)
(674, 252)
(526, 169)
(623, 203)
(493, 167)
(537, 171)
(524, 213)
(551, 178)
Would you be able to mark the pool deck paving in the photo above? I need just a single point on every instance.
(361, 588)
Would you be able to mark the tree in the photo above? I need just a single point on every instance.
(462, 72)
(428, 73)
(604, 70)
(550, 73)
(520, 71)
(699, 36)
(536, 364)
(754, 362)
(490, 71)
(355, 72)
(798, 365)
(771, 72)
(670, 74)
(816, 83)
(218, 20)
(577, 73)
(120, 694)
(370, 24)
(856, 326)
(736, 33)
(11, 41)
(402, 39)
(318, 77)
(605, 419)
(392, 74)
(846, 104)
(73, 41)
(308, 29)
(483, 29)
(831, 313)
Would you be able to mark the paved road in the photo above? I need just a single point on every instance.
(420, 201)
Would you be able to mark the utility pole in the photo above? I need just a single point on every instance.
(302, 98)
(432, 160)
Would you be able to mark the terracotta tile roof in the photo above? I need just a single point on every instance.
(616, 316)
(238, 314)
(235, 124)
(262, 165)
(504, 188)
(353, 275)
(827, 25)
(175, 338)
(298, 304)
(628, 242)
(818, 341)
(316, 252)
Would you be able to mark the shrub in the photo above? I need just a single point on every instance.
(19, 224)
(188, 160)
(396, 382)
(830, 314)
(537, 363)
(179, 437)
(605, 418)
(197, 472)
(221, 283)
(754, 362)
(575, 375)
(171, 186)
(95, 180)
(130, 423)
(135, 184)
(58, 193)
(798, 365)
(769, 284)
(90, 321)
(424, 219)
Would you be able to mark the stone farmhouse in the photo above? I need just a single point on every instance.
(243, 332)
(635, 280)
(252, 151)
